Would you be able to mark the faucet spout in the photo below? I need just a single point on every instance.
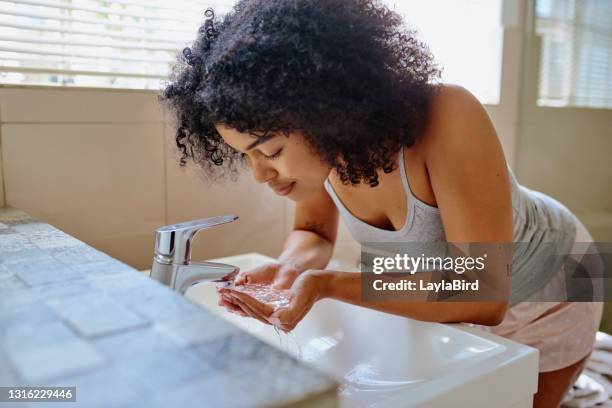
(202, 271)
(172, 264)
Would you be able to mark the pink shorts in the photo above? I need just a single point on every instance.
(563, 332)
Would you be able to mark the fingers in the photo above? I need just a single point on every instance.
(249, 305)
(231, 276)
(262, 309)
(281, 319)
(246, 277)
(249, 311)
(288, 317)
(241, 278)
(283, 282)
(227, 302)
(250, 276)
(261, 274)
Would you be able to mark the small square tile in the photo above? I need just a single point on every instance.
(62, 352)
(8, 375)
(167, 308)
(164, 371)
(219, 390)
(25, 334)
(9, 283)
(31, 252)
(122, 284)
(42, 270)
(12, 217)
(18, 297)
(33, 228)
(123, 346)
(77, 255)
(104, 387)
(29, 314)
(95, 314)
(103, 268)
(60, 360)
(53, 238)
(14, 243)
(62, 290)
(197, 329)
(4, 273)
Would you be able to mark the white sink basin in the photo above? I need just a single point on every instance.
(383, 360)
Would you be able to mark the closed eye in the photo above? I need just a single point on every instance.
(275, 155)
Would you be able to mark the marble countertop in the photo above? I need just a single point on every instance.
(71, 315)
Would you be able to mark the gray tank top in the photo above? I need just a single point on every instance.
(537, 218)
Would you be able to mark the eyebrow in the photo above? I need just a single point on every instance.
(260, 140)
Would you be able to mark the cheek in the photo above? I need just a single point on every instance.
(294, 169)
(302, 166)
(308, 174)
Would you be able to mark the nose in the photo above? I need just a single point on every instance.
(262, 172)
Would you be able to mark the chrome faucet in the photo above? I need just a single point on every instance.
(172, 264)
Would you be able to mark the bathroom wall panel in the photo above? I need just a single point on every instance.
(2, 203)
(102, 183)
(74, 105)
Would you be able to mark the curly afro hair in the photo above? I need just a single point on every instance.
(347, 74)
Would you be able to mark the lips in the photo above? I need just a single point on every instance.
(284, 190)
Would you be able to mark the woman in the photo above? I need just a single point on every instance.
(335, 105)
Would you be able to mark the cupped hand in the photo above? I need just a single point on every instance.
(238, 300)
(305, 291)
(275, 274)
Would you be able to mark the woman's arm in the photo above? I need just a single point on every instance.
(311, 243)
(309, 246)
(346, 287)
(469, 176)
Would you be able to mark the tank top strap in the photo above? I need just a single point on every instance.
(402, 167)
(412, 199)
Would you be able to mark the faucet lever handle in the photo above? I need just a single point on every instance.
(197, 225)
(173, 242)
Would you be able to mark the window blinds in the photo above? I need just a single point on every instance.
(119, 43)
(575, 61)
(132, 43)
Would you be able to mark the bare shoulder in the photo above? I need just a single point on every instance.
(451, 102)
(456, 120)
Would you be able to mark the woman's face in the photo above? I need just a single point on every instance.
(286, 164)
